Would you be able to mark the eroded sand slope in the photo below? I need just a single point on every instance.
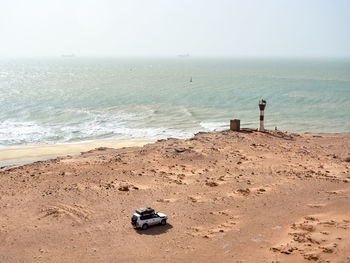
(246, 197)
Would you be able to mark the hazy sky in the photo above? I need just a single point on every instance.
(172, 27)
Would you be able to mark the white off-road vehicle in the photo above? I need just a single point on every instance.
(145, 217)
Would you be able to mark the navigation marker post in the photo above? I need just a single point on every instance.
(262, 105)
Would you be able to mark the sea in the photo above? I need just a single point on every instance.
(74, 99)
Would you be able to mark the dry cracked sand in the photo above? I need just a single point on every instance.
(230, 197)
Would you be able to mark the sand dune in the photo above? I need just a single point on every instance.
(230, 197)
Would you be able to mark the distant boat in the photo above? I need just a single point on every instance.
(191, 79)
(184, 55)
(68, 56)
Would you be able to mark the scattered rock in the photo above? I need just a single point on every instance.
(193, 199)
(180, 150)
(306, 227)
(327, 249)
(311, 256)
(311, 218)
(101, 148)
(123, 188)
(275, 249)
(211, 183)
(261, 190)
(244, 191)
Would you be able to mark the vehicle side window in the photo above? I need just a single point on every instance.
(155, 216)
(146, 217)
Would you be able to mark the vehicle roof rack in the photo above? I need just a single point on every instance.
(145, 211)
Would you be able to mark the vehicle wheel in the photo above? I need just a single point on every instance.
(163, 222)
(144, 226)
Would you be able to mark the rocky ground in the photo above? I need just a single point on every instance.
(230, 197)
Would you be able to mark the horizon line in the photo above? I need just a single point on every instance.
(178, 56)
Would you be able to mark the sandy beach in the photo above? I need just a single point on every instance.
(22, 155)
(230, 197)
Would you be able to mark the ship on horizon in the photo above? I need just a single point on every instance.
(184, 55)
(68, 55)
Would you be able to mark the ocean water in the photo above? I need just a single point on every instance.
(68, 100)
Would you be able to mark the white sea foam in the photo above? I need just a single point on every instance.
(83, 124)
(214, 126)
(16, 133)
